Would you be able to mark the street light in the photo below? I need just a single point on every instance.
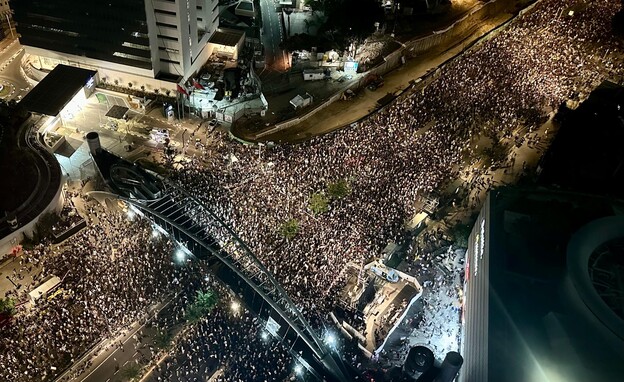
(235, 307)
(180, 256)
(330, 339)
(298, 369)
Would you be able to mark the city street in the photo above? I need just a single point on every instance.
(11, 74)
(300, 220)
(272, 35)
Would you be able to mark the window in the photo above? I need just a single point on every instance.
(135, 46)
(168, 38)
(131, 57)
(165, 25)
(164, 12)
(169, 50)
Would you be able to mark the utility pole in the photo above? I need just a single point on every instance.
(9, 22)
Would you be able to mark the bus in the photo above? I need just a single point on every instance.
(49, 284)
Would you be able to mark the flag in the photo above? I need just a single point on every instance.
(198, 85)
(181, 90)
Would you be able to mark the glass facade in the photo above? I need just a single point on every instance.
(109, 30)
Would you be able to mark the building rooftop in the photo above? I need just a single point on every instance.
(227, 37)
(55, 91)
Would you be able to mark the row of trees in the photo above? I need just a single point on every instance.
(318, 204)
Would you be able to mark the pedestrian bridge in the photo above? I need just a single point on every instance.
(192, 223)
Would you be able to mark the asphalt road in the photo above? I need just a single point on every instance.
(272, 35)
(11, 55)
(121, 352)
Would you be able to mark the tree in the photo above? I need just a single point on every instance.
(131, 372)
(130, 85)
(319, 203)
(339, 189)
(289, 229)
(7, 307)
(162, 339)
(206, 300)
(460, 233)
(203, 304)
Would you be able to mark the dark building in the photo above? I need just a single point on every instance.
(111, 30)
(586, 155)
(544, 288)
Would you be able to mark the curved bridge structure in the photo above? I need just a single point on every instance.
(192, 223)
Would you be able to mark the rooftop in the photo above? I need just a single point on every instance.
(55, 91)
(227, 37)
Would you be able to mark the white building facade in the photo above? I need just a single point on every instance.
(164, 46)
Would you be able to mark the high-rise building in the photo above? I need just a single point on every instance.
(544, 286)
(125, 40)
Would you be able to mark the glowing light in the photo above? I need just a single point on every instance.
(130, 214)
(180, 255)
(330, 339)
(264, 335)
(235, 306)
(298, 369)
(155, 233)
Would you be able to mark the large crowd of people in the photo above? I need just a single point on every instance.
(116, 268)
(412, 148)
(111, 272)
(229, 344)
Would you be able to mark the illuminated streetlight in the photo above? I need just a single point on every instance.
(264, 335)
(330, 339)
(298, 369)
(180, 256)
(235, 306)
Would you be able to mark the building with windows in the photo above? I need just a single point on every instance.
(151, 43)
(544, 288)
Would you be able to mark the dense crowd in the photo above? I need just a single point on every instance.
(113, 270)
(504, 87)
(230, 345)
(111, 273)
